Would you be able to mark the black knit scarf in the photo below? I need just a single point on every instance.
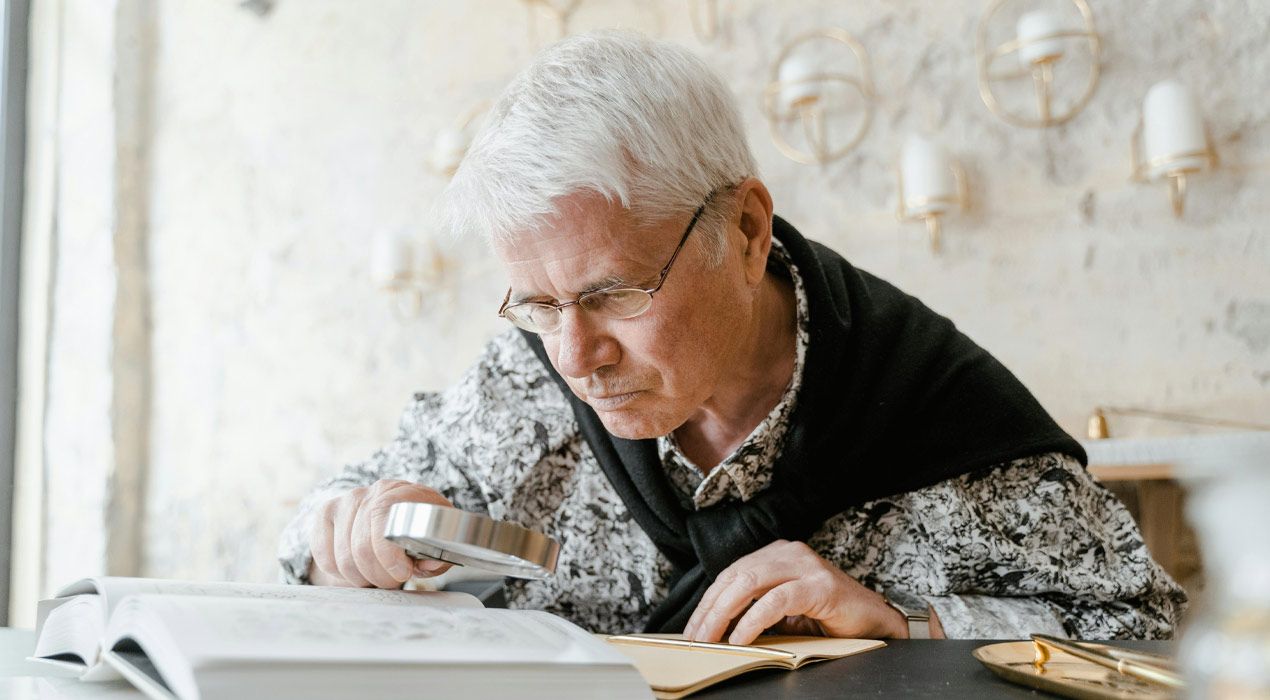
(894, 398)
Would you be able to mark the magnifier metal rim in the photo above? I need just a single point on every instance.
(471, 539)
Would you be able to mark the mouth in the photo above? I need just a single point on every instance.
(612, 402)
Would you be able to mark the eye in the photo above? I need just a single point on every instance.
(617, 303)
(533, 317)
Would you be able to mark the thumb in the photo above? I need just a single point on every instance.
(430, 567)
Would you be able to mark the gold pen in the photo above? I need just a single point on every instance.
(1132, 655)
(1121, 663)
(641, 640)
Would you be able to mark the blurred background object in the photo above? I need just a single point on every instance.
(819, 102)
(1171, 141)
(931, 185)
(1226, 642)
(1045, 43)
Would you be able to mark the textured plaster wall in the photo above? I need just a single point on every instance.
(283, 144)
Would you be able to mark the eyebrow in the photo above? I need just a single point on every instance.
(604, 283)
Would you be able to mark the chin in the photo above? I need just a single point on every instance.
(634, 425)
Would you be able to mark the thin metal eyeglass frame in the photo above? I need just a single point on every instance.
(661, 278)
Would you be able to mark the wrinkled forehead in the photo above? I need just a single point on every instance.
(588, 244)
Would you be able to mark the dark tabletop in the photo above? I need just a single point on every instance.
(903, 669)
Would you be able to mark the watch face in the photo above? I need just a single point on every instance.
(914, 606)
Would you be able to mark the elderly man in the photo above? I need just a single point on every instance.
(727, 426)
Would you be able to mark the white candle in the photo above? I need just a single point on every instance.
(1172, 126)
(1031, 28)
(927, 171)
(392, 260)
(798, 82)
(448, 150)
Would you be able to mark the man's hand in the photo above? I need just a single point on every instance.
(793, 589)
(348, 542)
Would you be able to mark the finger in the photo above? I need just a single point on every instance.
(320, 540)
(392, 558)
(788, 599)
(721, 583)
(363, 543)
(397, 491)
(342, 540)
(706, 604)
(427, 568)
(741, 588)
(389, 554)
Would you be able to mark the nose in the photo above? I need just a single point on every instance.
(582, 344)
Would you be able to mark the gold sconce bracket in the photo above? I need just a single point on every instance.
(908, 210)
(1097, 427)
(1042, 70)
(810, 111)
(1186, 165)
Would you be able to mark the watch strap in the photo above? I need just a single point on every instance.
(918, 618)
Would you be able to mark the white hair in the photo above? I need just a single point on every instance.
(641, 122)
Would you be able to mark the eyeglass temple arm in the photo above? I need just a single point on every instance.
(684, 239)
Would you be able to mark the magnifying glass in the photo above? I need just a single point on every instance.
(428, 531)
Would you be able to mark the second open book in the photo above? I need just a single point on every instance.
(203, 641)
(676, 668)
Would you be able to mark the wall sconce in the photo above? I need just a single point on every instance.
(930, 185)
(558, 11)
(451, 143)
(1041, 42)
(799, 92)
(1171, 141)
(704, 16)
(1097, 427)
(407, 277)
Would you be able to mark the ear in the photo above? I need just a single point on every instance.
(754, 221)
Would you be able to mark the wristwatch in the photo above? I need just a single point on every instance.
(914, 609)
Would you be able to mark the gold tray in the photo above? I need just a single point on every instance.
(1064, 674)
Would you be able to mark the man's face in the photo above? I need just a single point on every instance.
(644, 376)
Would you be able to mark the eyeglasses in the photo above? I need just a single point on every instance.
(614, 302)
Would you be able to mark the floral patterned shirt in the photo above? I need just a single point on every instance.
(1033, 545)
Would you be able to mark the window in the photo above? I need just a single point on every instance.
(13, 65)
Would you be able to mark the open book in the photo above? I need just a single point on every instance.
(205, 641)
(676, 668)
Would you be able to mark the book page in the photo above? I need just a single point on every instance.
(811, 648)
(221, 631)
(676, 671)
(115, 588)
(75, 627)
